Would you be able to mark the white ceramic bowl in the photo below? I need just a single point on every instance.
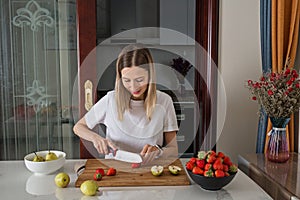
(41, 185)
(46, 167)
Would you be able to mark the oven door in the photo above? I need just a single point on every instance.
(185, 112)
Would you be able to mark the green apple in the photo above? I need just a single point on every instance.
(38, 158)
(89, 187)
(174, 169)
(157, 170)
(62, 180)
(51, 156)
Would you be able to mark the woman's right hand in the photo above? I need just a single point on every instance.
(103, 145)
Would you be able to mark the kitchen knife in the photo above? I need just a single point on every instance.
(127, 156)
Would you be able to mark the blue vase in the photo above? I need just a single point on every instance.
(277, 149)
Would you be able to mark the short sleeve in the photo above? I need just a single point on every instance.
(97, 113)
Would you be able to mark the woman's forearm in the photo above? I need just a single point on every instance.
(169, 152)
(82, 130)
(171, 148)
(101, 144)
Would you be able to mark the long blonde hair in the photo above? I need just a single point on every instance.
(135, 55)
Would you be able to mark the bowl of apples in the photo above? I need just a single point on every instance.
(211, 170)
(45, 162)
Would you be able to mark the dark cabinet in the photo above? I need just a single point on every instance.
(185, 112)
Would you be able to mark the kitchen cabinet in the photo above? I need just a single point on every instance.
(117, 17)
(185, 113)
(206, 34)
(177, 15)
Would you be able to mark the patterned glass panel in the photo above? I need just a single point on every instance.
(33, 103)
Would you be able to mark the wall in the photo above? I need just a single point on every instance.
(239, 60)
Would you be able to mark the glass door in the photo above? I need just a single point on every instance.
(37, 69)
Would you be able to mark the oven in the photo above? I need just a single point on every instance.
(185, 113)
(185, 108)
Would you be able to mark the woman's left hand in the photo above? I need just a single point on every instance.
(149, 153)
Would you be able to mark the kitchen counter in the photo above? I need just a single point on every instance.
(16, 182)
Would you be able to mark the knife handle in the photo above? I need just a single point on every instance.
(79, 167)
(160, 149)
(112, 151)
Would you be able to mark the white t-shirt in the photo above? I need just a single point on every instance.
(135, 130)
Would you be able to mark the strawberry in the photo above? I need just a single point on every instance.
(202, 155)
(100, 171)
(207, 167)
(193, 160)
(189, 165)
(212, 164)
(208, 173)
(211, 153)
(221, 154)
(225, 168)
(219, 173)
(200, 163)
(97, 176)
(227, 161)
(197, 170)
(111, 171)
(232, 168)
(218, 164)
(210, 158)
(135, 165)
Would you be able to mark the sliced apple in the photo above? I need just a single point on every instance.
(157, 170)
(174, 169)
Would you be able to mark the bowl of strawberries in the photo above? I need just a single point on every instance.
(211, 170)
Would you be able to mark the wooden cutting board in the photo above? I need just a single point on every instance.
(128, 176)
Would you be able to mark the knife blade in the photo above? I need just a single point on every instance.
(126, 156)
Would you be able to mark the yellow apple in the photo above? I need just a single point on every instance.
(51, 156)
(157, 170)
(62, 180)
(89, 187)
(174, 169)
(38, 158)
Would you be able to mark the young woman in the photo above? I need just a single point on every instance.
(138, 117)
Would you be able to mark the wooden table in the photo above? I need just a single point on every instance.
(279, 180)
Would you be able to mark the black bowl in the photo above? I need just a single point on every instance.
(211, 183)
